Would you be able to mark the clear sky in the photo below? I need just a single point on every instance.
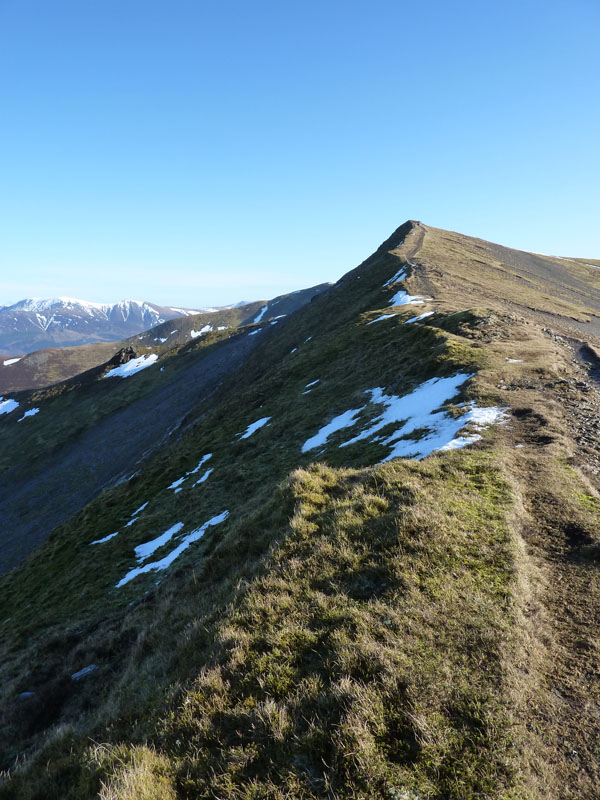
(192, 153)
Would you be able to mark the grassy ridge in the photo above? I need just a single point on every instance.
(397, 631)
(344, 667)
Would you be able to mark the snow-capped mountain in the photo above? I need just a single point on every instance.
(35, 323)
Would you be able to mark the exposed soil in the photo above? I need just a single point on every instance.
(563, 712)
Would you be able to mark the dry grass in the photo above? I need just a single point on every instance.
(468, 272)
(142, 774)
(346, 668)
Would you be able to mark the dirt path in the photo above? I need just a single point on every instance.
(564, 713)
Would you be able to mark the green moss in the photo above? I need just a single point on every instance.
(589, 502)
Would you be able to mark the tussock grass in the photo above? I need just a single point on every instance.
(365, 658)
(142, 774)
(368, 658)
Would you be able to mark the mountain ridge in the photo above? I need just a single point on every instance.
(273, 605)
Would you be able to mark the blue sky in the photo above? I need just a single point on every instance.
(192, 153)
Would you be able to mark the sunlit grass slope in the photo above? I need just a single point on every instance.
(343, 663)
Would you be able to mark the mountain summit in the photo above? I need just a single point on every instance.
(347, 549)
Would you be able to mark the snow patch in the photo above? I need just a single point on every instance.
(261, 314)
(461, 441)
(76, 676)
(344, 420)
(415, 413)
(204, 477)
(168, 559)
(200, 463)
(176, 485)
(205, 329)
(420, 317)
(402, 298)
(133, 366)
(515, 360)
(142, 551)
(383, 316)
(254, 426)
(31, 413)
(7, 362)
(309, 385)
(105, 538)
(6, 406)
(399, 276)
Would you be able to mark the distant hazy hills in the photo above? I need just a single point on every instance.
(33, 324)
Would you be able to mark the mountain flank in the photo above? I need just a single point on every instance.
(97, 431)
(362, 564)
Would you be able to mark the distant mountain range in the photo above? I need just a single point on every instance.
(33, 323)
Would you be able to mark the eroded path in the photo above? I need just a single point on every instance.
(563, 549)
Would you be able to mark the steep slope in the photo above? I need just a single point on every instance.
(52, 365)
(89, 433)
(237, 621)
